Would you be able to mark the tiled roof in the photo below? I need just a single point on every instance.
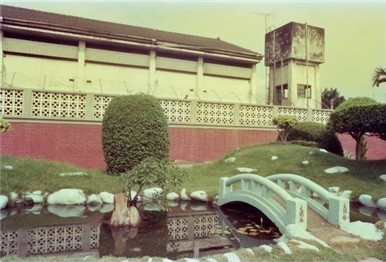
(59, 22)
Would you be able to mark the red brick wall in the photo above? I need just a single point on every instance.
(80, 144)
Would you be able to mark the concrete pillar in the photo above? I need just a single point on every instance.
(318, 90)
(252, 94)
(292, 84)
(81, 65)
(2, 68)
(200, 76)
(152, 72)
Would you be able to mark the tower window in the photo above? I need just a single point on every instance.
(304, 91)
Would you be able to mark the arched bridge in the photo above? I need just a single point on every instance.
(283, 198)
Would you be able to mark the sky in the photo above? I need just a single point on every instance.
(355, 31)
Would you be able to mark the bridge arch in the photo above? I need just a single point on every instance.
(335, 209)
(275, 202)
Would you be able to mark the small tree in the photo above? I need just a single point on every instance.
(134, 128)
(284, 123)
(331, 98)
(4, 125)
(357, 117)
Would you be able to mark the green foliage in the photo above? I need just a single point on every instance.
(356, 101)
(379, 76)
(153, 172)
(284, 123)
(331, 98)
(134, 128)
(4, 125)
(318, 133)
(304, 143)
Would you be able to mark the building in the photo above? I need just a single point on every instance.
(58, 74)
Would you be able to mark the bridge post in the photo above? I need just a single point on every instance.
(339, 211)
(224, 189)
(296, 212)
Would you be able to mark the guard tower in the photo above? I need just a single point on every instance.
(293, 54)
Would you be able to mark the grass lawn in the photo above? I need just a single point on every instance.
(362, 177)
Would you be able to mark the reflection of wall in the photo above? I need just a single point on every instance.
(48, 240)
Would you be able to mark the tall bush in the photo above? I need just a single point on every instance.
(318, 133)
(283, 124)
(134, 128)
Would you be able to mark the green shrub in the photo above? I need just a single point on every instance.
(134, 128)
(284, 124)
(4, 125)
(318, 133)
(304, 143)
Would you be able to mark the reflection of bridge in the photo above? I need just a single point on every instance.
(283, 198)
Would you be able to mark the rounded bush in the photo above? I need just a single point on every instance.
(134, 128)
(315, 132)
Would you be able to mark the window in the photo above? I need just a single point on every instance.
(304, 91)
(278, 97)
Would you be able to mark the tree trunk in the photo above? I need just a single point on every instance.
(358, 148)
(122, 214)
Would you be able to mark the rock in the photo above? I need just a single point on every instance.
(311, 153)
(172, 196)
(383, 177)
(366, 200)
(67, 196)
(173, 204)
(106, 208)
(184, 196)
(336, 169)
(74, 174)
(266, 248)
(36, 209)
(94, 200)
(211, 260)
(323, 150)
(14, 197)
(8, 167)
(3, 201)
(232, 257)
(230, 159)
(334, 189)
(380, 225)
(66, 211)
(135, 217)
(344, 239)
(274, 157)
(107, 198)
(36, 197)
(364, 230)
(199, 195)
(246, 169)
(94, 207)
(381, 204)
(152, 193)
(305, 162)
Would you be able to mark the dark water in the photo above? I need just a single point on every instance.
(189, 230)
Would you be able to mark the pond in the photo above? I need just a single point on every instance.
(186, 230)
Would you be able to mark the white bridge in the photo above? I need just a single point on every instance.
(283, 198)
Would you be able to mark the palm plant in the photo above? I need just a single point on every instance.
(379, 76)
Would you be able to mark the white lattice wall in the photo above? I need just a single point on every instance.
(100, 105)
(8, 243)
(320, 116)
(58, 105)
(215, 113)
(251, 115)
(178, 228)
(11, 102)
(204, 226)
(177, 111)
(299, 113)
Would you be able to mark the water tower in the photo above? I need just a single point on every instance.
(293, 54)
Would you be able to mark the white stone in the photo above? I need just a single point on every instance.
(323, 150)
(36, 209)
(366, 200)
(209, 259)
(184, 196)
(311, 153)
(295, 231)
(67, 196)
(94, 200)
(336, 169)
(36, 197)
(94, 207)
(73, 174)
(305, 162)
(166, 260)
(249, 251)
(3, 201)
(383, 177)
(66, 211)
(232, 257)
(14, 197)
(172, 196)
(107, 197)
(381, 204)
(230, 159)
(266, 248)
(284, 246)
(37, 192)
(364, 230)
(173, 204)
(274, 157)
(199, 195)
(198, 207)
(106, 208)
(246, 169)
(8, 167)
(152, 193)
(191, 260)
(334, 189)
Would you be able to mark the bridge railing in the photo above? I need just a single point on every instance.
(275, 202)
(338, 210)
